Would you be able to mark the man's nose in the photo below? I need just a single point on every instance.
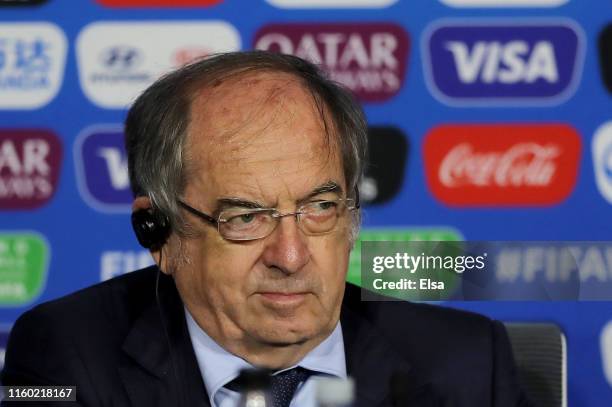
(286, 248)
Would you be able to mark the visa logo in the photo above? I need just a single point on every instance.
(512, 62)
(102, 169)
(489, 64)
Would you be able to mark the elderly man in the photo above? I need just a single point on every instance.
(245, 169)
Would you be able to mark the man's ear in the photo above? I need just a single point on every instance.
(151, 228)
(141, 202)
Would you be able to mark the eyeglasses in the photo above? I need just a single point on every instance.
(242, 224)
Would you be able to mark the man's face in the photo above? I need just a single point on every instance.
(259, 138)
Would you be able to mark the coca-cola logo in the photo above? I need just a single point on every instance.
(502, 164)
(369, 59)
(29, 168)
(524, 164)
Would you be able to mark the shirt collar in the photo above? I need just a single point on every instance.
(218, 367)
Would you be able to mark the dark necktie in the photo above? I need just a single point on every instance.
(284, 384)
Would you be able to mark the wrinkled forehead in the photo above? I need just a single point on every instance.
(260, 114)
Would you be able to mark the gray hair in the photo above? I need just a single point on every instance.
(156, 124)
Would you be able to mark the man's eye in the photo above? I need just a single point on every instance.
(247, 217)
(325, 205)
(242, 219)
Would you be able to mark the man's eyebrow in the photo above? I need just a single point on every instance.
(329, 186)
(230, 202)
(223, 203)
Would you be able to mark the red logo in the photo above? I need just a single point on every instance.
(501, 165)
(158, 3)
(29, 168)
(370, 59)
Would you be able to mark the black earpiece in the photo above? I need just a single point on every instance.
(152, 228)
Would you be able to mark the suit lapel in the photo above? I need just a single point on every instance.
(383, 378)
(152, 374)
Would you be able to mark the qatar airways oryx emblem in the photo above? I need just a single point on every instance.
(505, 62)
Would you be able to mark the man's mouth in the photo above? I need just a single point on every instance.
(287, 299)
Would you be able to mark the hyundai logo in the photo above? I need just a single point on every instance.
(120, 57)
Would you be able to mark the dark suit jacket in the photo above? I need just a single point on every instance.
(113, 342)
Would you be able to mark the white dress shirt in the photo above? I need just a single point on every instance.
(219, 367)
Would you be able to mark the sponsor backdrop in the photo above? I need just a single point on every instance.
(490, 120)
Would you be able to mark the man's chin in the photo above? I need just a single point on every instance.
(281, 335)
(289, 324)
(296, 330)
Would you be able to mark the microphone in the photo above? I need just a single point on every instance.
(334, 391)
(254, 386)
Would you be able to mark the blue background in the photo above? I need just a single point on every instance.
(78, 234)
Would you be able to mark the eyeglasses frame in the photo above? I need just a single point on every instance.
(275, 214)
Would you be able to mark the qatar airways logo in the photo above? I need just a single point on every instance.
(503, 62)
(29, 168)
(497, 165)
(370, 59)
